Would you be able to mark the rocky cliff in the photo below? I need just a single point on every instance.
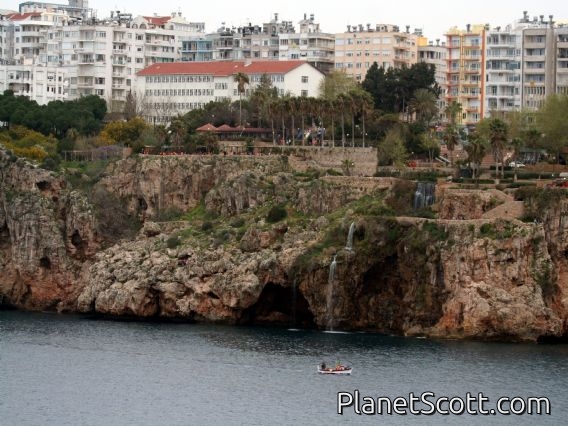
(253, 241)
(46, 232)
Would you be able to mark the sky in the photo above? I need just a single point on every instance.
(434, 17)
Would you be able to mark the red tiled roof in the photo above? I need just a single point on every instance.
(157, 20)
(227, 128)
(22, 16)
(206, 128)
(221, 68)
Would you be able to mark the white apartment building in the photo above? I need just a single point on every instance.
(37, 82)
(170, 89)
(503, 90)
(436, 54)
(96, 57)
(525, 62)
(310, 44)
(358, 48)
(274, 40)
(562, 60)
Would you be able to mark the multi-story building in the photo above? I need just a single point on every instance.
(76, 9)
(42, 84)
(503, 91)
(274, 40)
(435, 54)
(538, 63)
(169, 89)
(492, 71)
(99, 57)
(358, 48)
(562, 60)
(310, 44)
(466, 71)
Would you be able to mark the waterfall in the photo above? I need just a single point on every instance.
(349, 244)
(294, 296)
(424, 195)
(330, 282)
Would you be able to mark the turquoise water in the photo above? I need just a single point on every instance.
(68, 370)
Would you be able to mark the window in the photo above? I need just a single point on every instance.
(304, 79)
(304, 93)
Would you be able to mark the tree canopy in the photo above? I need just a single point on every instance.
(393, 89)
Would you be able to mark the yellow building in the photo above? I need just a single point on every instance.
(359, 47)
(465, 72)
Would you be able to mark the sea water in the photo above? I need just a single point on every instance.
(70, 370)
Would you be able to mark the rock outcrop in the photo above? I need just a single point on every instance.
(466, 275)
(46, 231)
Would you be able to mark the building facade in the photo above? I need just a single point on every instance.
(273, 40)
(466, 72)
(39, 83)
(97, 57)
(170, 89)
(358, 48)
(436, 54)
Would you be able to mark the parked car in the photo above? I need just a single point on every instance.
(516, 164)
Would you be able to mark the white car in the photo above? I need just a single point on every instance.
(516, 164)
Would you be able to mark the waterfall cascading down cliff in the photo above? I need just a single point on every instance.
(330, 291)
(424, 195)
(349, 244)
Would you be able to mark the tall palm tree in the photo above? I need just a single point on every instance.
(476, 148)
(241, 79)
(343, 103)
(353, 108)
(451, 135)
(451, 138)
(366, 106)
(424, 105)
(498, 134)
(453, 111)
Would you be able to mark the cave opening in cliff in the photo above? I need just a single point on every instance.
(277, 305)
(44, 262)
(4, 236)
(43, 185)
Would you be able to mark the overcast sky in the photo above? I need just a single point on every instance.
(434, 16)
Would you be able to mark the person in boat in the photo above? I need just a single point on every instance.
(322, 366)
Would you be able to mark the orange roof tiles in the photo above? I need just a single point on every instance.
(221, 68)
(22, 16)
(157, 20)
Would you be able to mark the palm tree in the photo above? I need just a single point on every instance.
(241, 79)
(342, 103)
(452, 112)
(476, 149)
(498, 134)
(451, 136)
(353, 108)
(424, 105)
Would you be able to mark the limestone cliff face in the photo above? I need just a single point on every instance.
(46, 232)
(143, 278)
(154, 185)
(467, 275)
(444, 279)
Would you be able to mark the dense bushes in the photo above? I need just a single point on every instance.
(276, 214)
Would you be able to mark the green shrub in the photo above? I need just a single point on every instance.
(276, 214)
(206, 226)
(173, 241)
(237, 223)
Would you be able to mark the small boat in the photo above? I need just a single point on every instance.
(339, 369)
